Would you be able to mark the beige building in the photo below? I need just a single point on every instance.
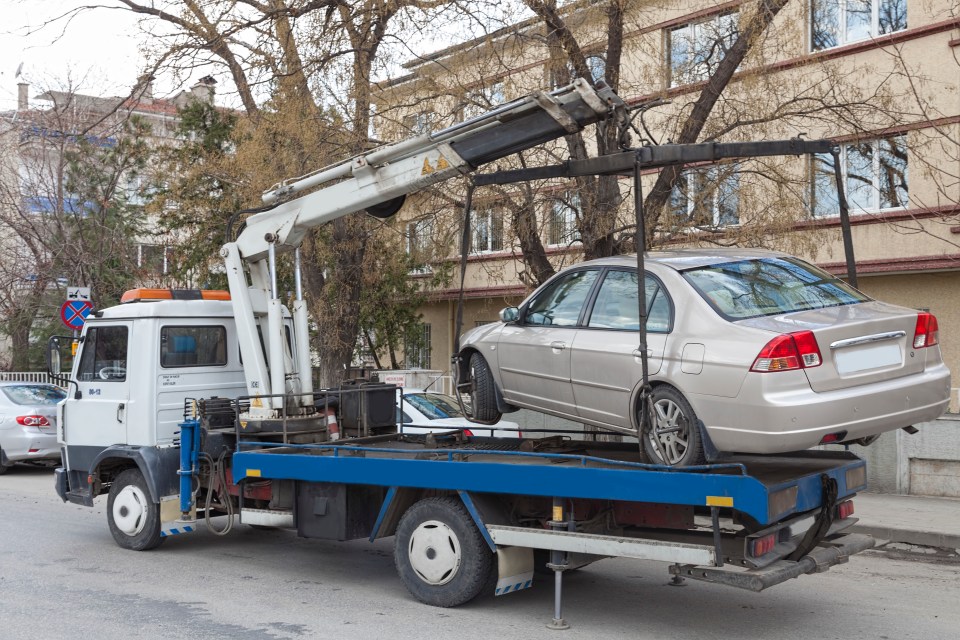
(878, 77)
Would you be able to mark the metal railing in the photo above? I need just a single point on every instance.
(25, 376)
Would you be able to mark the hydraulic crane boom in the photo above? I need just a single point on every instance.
(377, 182)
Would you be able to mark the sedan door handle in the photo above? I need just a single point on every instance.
(560, 346)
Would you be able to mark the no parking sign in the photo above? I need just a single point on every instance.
(74, 312)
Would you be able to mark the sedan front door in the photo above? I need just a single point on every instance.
(534, 353)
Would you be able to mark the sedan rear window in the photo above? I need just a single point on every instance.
(34, 395)
(769, 286)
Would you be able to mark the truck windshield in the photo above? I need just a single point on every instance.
(769, 286)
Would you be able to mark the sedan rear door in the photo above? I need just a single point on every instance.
(605, 360)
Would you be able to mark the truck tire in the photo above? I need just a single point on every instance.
(134, 520)
(681, 441)
(441, 557)
(484, 392)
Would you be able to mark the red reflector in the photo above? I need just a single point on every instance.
(927, 332)
(787, 352)
(845, 509)
(833, 437)
(33, 421)
(468, 433)
(763, 546)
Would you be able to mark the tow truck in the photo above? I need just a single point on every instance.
(186, 405)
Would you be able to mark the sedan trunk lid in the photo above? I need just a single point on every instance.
(859, 343)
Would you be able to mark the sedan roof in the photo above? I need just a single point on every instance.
(681, 259)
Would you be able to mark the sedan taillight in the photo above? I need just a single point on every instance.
(33, 421)
(927, 332)
(798, 350)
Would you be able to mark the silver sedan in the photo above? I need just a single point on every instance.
(751, 351)
(28, 423)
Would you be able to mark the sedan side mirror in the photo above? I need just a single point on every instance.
(510, 314)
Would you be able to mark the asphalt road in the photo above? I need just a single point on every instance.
(61, 576)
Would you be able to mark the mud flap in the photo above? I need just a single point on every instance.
(170, 522)
(514, 569)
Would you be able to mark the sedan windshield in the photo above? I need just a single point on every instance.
(769, 286)
(34, 395)
(434, 406)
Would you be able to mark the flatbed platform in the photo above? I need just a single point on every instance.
(766, 488)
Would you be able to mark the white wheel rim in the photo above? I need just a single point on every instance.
(130, 510)
(434, 552)
(668, 415)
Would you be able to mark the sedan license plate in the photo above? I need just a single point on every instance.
(872, 357)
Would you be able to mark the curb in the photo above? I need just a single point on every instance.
(922, 538)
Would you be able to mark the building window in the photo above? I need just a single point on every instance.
(562, 221)
(697, 48)
(597, 66)
(487, 232)
(874, 174)
(838, 22)
(479, 101)
(420, 123)
(707, 197)
(155, 259)
(417, 347)
(419, 242)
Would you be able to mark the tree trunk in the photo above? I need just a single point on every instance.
(659, 195)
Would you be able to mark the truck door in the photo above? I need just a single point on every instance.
(98, 418)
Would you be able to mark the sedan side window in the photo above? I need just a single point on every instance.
(559, 305)
(616, 304)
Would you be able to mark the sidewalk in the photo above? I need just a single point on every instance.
(932, 522)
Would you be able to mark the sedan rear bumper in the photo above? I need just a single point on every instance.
(24, 444)
(767, 420)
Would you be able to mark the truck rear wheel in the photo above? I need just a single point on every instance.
(440, 554)
(133, 518)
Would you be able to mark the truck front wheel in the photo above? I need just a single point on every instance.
(440, 554)
(133, 518)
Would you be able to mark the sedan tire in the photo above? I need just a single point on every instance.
(484, 392)
(675, 424)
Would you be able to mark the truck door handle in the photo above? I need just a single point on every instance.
(120, 413)
(636, 353)
(560, 346)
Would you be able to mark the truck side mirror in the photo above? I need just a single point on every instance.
(53, 356)
(510, 314)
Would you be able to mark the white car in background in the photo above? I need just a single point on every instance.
(420, 411)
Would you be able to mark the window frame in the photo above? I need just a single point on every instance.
(876, 164)
(226, 346)
(572, 208)
(492, 217)
(726, 184)
(548, 288)
(842, 26)
(592, 301)
(698, 71)
(90, 348)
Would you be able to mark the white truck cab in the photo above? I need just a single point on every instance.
(136, 365)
